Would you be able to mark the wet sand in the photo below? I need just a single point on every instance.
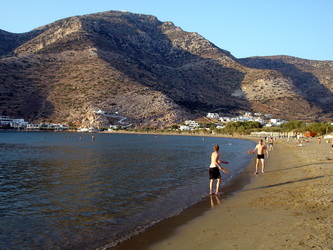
(290, 206)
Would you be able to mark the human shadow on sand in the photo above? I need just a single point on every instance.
(302, 166)
(284, 183)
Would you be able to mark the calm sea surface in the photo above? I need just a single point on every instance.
(58, 190)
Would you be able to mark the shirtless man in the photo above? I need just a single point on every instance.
(270, 144)
(214, 173)
(260, 155)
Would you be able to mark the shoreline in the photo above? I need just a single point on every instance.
(167, 227)
(290, 206)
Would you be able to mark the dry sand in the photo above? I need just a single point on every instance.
(288, 207)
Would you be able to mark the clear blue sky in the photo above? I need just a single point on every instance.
(301, 28)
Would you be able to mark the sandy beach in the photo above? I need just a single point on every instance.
(290, 206)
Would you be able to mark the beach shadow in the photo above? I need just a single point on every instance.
(302, 166)
(283, 183)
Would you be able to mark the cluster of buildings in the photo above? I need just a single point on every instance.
(265, 120)
(46, 126)
(7, 122)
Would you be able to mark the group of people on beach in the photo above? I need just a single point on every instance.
(214, 173)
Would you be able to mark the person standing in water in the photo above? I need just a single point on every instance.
(214, 173)
(261, 148)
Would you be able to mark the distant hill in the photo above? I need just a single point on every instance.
(311, 81)
(150, 71)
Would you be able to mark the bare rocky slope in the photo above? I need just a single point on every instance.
(152, 72)
(311, 84)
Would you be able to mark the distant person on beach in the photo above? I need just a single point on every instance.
(214, 173)
(270, 144)
(261, 148)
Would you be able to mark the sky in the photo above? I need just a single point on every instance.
(300, 28)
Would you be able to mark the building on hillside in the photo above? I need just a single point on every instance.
(32, 126)
(46, 126)
(6, 121)
(225, 119)
(277, 122)
(220, 126)
(18, 123)
(213, 115)
(242, 119)
(56, 126)
(184, 127)
(192, 124)
(260, 120)
(248, 114)
(101, 112)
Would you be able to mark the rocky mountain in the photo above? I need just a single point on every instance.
(149, 71)
(310, 93)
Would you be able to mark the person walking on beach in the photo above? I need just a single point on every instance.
(261, 148)
(270, 144)
(214, 173)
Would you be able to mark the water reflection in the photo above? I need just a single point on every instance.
(215, 200)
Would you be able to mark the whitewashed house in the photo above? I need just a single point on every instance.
(5, 120)
(259, 119)
(192, 124)
(101, 112)
(277, 122)
(184, 127)
(18, 123)
(225, 119)
(14, 123)
(213, 115)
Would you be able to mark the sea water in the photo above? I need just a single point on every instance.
(69, 190)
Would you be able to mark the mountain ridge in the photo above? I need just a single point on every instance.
(150, 71)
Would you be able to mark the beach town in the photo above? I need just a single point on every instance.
(219, 122)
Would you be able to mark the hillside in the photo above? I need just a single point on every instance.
(152, 72)
(311, 80)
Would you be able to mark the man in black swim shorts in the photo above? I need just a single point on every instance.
(214, 172)
(260, 155)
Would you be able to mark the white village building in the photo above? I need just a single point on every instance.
(213, 115)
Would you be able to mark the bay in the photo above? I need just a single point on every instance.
(68, 190)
